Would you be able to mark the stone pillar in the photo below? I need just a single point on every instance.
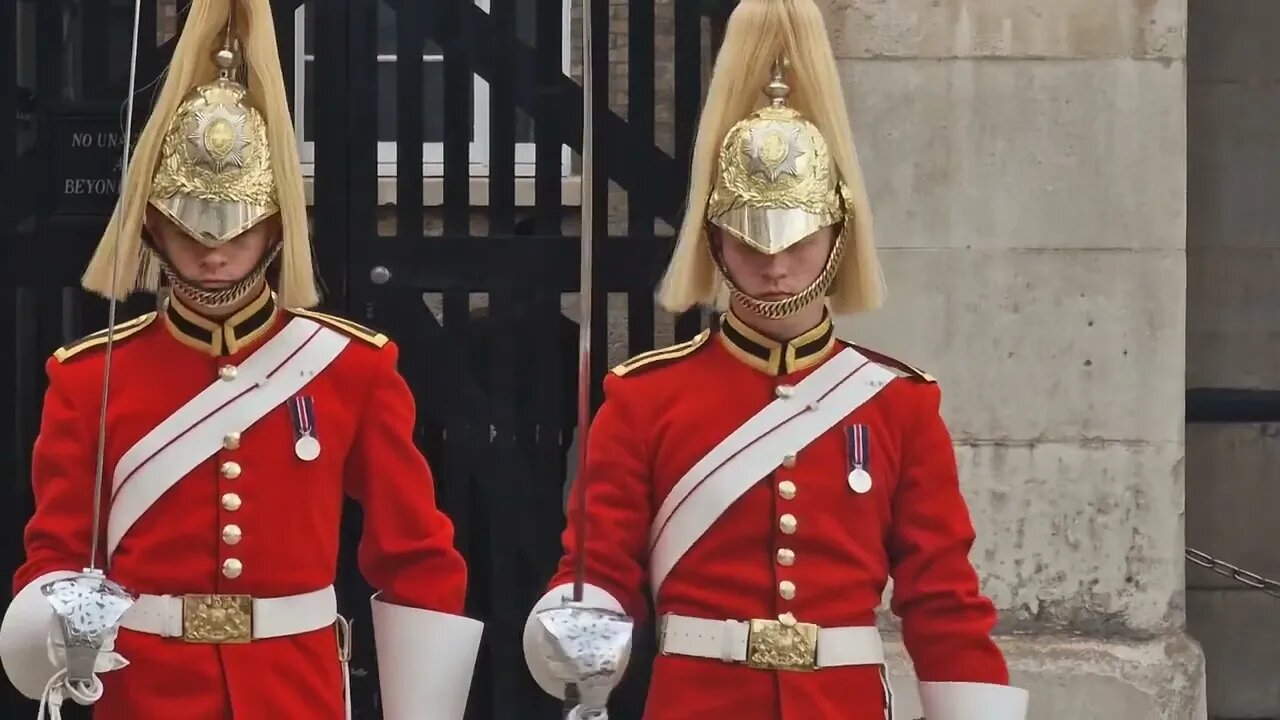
(1233, 240)
(1026, 165)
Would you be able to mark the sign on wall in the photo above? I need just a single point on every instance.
(87, 152)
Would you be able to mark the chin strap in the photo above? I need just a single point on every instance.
(215, 299)
(212, 299)
(778, 309)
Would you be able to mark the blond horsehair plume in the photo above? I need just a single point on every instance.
(758, 34)
(204, 32)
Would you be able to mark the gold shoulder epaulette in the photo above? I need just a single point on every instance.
(345, 326)
(661, 356)
(894, 363)
(122, 331)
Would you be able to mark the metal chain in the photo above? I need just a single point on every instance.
(1226, 569)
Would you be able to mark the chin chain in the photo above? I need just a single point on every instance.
(222, 297)
(778, 309)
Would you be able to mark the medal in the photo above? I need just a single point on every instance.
(302, 410)
(858, 439)
(859, 480)
(308, 448)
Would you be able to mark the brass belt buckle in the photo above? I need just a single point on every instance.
(782, 645)
(217, 619)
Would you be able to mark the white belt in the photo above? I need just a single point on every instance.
(231, 618)
(733, 641)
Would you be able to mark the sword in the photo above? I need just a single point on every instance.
(587, 233)
(88, 606)
(589, 645)
(584, 300)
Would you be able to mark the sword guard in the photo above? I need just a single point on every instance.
(586, 647)
(87, 610)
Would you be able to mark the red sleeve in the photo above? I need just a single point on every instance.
(946, 621)
(62, 465)
(407, 550)
(619, 504)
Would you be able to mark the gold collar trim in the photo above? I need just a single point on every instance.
(771, 356)
(221, 338)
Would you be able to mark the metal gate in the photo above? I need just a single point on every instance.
(483, 319)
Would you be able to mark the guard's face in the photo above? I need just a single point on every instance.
(212, 268)
(779, 276)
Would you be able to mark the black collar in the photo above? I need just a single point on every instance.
(771, 356)
(220, 338)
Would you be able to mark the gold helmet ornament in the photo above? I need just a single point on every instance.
(217, 157)
(774, 162)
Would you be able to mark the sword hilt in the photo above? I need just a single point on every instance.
(570, 700)
(88, 608)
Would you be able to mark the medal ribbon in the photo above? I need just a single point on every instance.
(303, 413)
(859, 439)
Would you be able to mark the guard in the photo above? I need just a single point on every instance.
(235, 423)
(762, 484)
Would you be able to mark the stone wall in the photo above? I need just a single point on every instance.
(1026, 166)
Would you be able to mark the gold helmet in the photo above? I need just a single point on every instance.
(771, 176)
(217, 156)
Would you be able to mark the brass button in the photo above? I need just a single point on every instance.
(231, 441)
(787, 523)
(786, 557)
(787, 589)
(231, 534)
(231, 501)
(231, 568)
(784, 391)
(227, 372)
(789, 461)
(230, 470)
(787, 489)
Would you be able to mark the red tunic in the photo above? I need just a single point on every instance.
(670, 409)
(279, 517)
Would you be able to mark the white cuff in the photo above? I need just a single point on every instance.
(535, 655)
(426, 660)
(24, 637)
(972, 701)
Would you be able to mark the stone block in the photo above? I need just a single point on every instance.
(1232, 488)
(1078, 679)
(1241, 641)
(1233, 226)
(1072, 154)
(1231, 168)
(1076, 346)
(1008, 28)
(1085, 538)
(1233, 330)
(1233, 41)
